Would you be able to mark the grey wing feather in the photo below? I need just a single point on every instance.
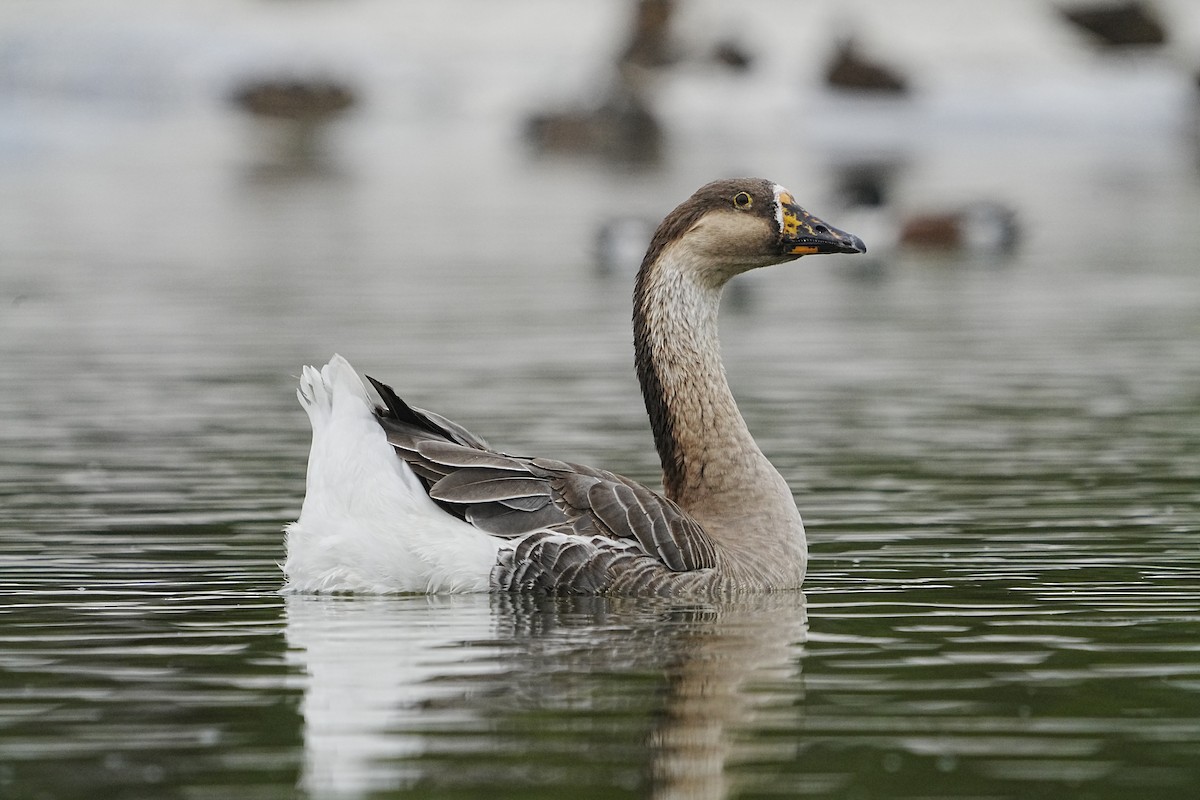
(660, 526)
(499, 519)
(470, 485)
(458, 432)
(618, 508)
(456, 455)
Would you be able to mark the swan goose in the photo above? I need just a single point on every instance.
(399, 499)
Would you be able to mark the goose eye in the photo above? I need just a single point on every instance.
(742, 200)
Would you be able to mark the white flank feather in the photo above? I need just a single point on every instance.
(367, 524)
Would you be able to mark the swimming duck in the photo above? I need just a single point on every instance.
(295, 99)
(1118, 25)
(296, 111)
(851, 71)
(983, 227)
(403, 500)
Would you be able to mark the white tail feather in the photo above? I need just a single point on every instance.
(367, 524)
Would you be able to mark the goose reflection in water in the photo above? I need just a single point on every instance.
(477, 690)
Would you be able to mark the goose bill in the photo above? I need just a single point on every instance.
(805, 235)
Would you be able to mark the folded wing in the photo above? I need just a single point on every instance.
(589, 520)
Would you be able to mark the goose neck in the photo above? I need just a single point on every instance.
(703, 443)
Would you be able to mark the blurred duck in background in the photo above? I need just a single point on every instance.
(863, 193)
(1118, 25)
(850, 70)
(298, 109)
(620, 123)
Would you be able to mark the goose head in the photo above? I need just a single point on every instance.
(730, 226)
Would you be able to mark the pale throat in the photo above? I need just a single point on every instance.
(709, 441)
